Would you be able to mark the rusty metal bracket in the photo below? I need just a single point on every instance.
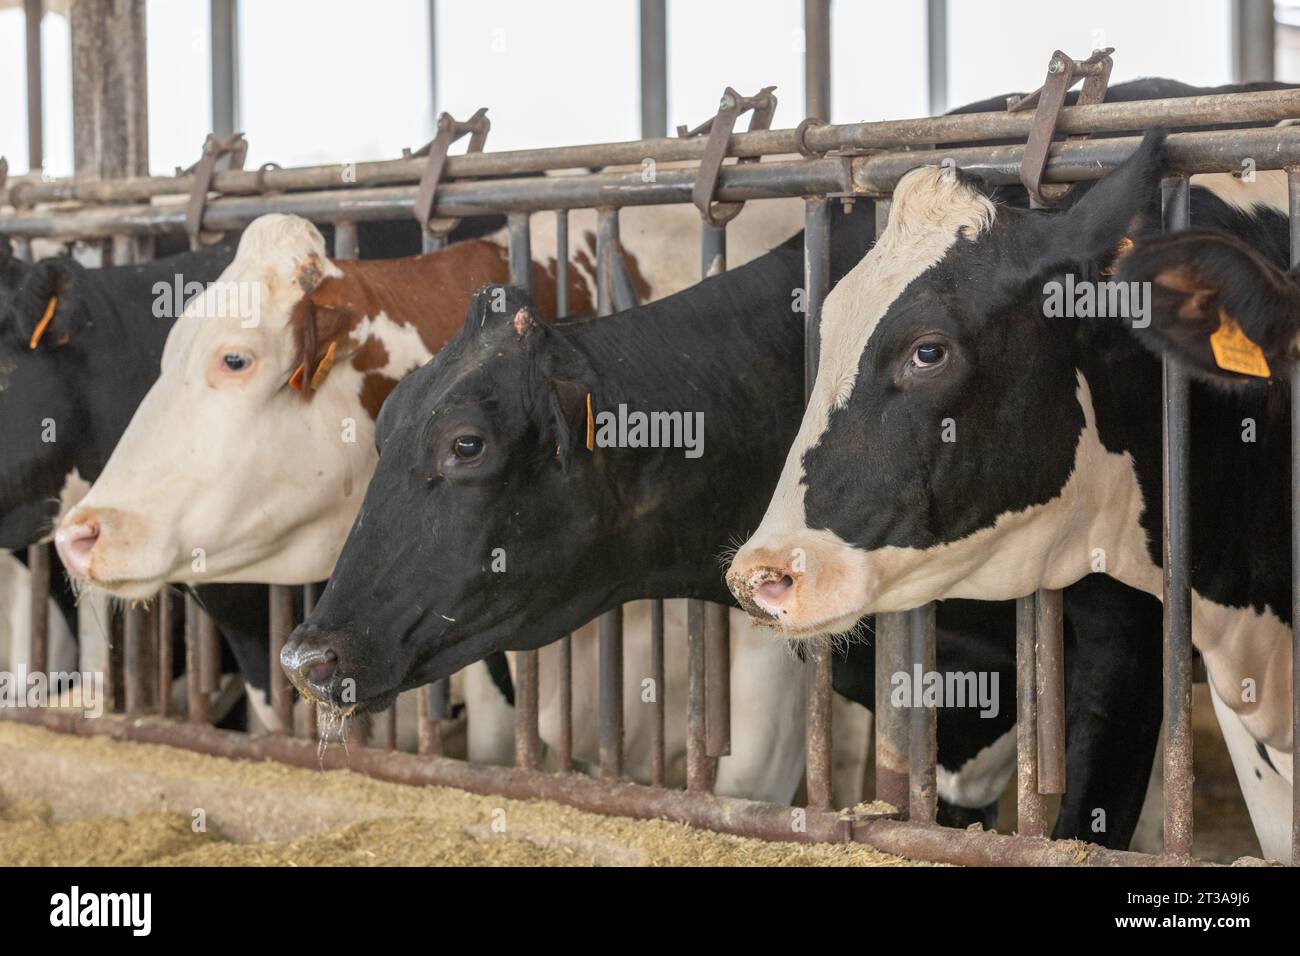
(213, 150)
(450, 129)
(1062, 73)
(719, 129)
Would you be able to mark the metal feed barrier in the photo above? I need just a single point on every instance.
(846, 162)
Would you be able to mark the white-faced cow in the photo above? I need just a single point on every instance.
(969, 437)
(487, 447)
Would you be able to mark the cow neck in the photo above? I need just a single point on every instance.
(1240, 491)
(730, 347)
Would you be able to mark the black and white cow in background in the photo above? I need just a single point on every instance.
(484, 448)
(965, 439)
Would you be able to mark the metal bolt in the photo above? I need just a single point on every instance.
(1056, 66)
(727, 102)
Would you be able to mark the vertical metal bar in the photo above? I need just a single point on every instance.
(654, 69)
(388, 728)
(893, 729)
(281, 618)
(38, 566)
(35, 97)
(433, 66)
(134, 663)
(701, 771)
(566, 642)
(1176, 435)
(310, 593)
(936, 32)
(1253, 40)
(1293, 192)
(209, 654)
(164, 656)
(817, 58)
(1030, 813)
(1049, 661)
(657, 740)
(923, 796)
(565, 748)
(527, 671)
(611, 622)
(222, 22)
(817, 280)
(195, 699)
(346, 245)
(717, 621)
(433, 710)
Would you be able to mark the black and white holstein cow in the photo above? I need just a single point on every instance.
(966, 439)
(486, 448)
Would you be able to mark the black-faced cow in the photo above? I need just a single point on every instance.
(969, 437)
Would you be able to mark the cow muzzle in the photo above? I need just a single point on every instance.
(321, 664)
(800, 591)
(112, 550)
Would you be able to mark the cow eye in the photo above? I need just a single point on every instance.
(234, 362)
(467, 447)
(927, 355)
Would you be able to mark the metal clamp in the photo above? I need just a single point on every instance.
(1062, 73)
(450, 129)
(213, 150)
(719, 130)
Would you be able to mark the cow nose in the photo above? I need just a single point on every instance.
(766, 590)
(75, 542)
(310, 662)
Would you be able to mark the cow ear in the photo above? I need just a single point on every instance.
(318, 322)
(1214, 301)
(45, 303)
(570, 417)
(1124, 203)
(502, 311)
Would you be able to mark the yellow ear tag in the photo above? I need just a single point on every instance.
(323, 368)
(1235, 352)
(591, 426)
(295, 380)
(42, 325)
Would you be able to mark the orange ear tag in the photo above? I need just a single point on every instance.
(42, 325)
(591, 426)
(324, 367)
(295, 380)
(1235, 352)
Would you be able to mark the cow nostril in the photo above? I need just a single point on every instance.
(320, 669)
(776, 591)
(75, 543)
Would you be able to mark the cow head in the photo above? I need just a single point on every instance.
(48, 355)
(219, 474)
(447, 554)
(949, 447)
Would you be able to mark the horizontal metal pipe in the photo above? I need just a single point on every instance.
(733, 815)
(749, 181)
(1254, 107)
(1191, 153)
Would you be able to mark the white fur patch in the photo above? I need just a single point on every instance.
(982, 779)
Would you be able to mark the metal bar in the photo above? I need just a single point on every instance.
(209, 654)
(222, 22)
(717, 680)
(134, 665)
(433, 64)
(817, 58)
(38, 566)
(1293, 194)
(432, 710)
(1262, 106)
(923, 794)
(565, 748)
(893, 737)
(1176, 441)
(721, 814)
(281, 623)
(1049, 664)
(611, 622)
(388, 727)
(34, 10)
(196, 699)
(110, 116)
(816, 285)
(346, 243)
(654, 69)
(310, 594)
(521, 262)
(164, 655)
(1030, 812)
(701, 770)
(658, 760)
(936, 54)
(1254, 37)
